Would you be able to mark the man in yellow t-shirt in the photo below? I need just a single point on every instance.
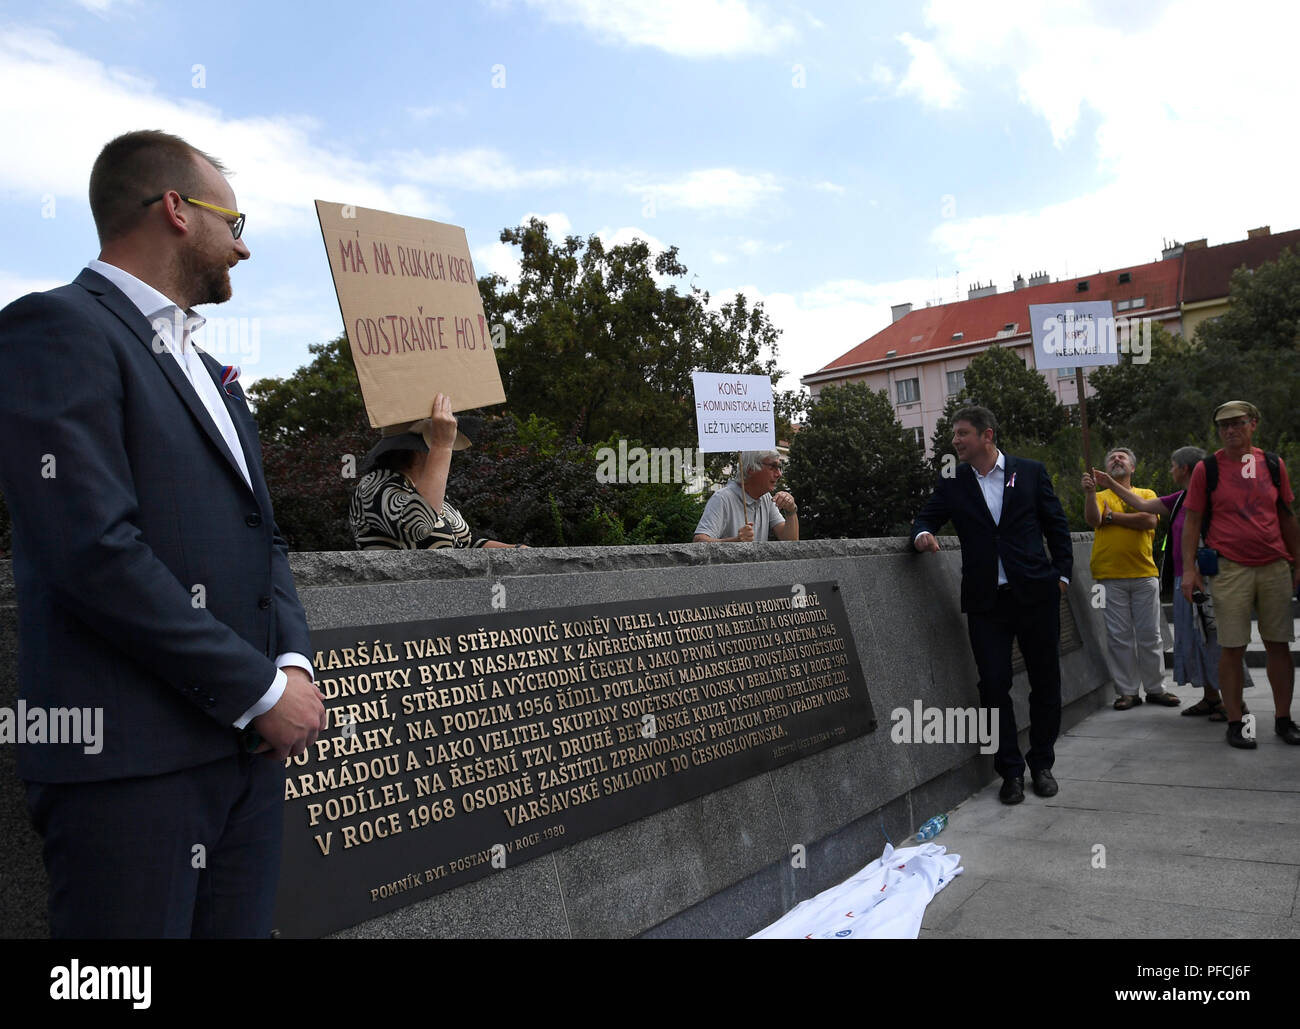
(1122, 564)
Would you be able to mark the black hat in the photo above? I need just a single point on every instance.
(412, 436)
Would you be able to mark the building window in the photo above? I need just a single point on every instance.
(1123, 305)
(1081, 287)
(909, 391)
(956, 382)
(1125, 277)
(1065, 373)
(957, 335)
(1139, 302)
(916, 435)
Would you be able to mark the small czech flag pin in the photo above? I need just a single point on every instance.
(229, 375)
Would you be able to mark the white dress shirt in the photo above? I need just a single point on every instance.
(166, 317)
(992, 486)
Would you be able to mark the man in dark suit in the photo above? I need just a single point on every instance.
(152, 582)
(1002, 507)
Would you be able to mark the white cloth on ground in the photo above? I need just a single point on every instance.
(884, 901)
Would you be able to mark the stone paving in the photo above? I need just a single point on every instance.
(1160, 829)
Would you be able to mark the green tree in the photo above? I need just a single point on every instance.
(1252, 352)
(321, 398)
(1152, 405)
(593, 340)
(852, 471)
(790, 406)
(1249, 353)
(595, 348)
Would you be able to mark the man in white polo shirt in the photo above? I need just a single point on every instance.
(737, 514)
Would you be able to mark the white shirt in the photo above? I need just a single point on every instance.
(165, 316)
(992, 486)
(731, 507)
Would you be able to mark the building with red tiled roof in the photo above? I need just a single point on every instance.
(921, 357)
(1207, 271)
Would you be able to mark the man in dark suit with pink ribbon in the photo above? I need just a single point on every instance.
(1002, 507)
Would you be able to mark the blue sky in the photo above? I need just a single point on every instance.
(828, 159)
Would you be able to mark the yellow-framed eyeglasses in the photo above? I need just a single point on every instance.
(236, 227)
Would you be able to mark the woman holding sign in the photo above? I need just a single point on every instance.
(400, 502)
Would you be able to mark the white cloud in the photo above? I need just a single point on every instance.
(1200, 152)
(928, 76)
(481, 169)
(620, 237)
(881, 75)
(557, 223)
(821, 323)
(683, 28)
(279, 164)
(721, 190)
(503, 259)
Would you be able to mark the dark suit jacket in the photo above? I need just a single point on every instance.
(124, 498)
(1030, 511)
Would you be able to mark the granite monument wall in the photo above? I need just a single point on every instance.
(721, 865)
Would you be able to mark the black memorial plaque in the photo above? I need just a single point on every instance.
(460, 746)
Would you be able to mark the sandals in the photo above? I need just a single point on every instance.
(1204, 707)
(1220, 715)
(1126, 702)
(1165, 699)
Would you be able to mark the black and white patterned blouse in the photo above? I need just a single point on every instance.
(388, 513)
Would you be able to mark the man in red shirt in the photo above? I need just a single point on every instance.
(1252, 527)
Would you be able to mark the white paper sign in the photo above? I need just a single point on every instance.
(733, 412)
(1082, 334)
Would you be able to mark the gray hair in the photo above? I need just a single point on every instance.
(1132, 457)
(1187, 456)
(752, 460)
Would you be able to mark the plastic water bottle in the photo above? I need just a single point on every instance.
(932, 828)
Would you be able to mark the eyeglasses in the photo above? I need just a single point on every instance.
(772, 466)
(236, 227)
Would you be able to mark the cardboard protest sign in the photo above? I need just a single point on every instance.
(412, 312)
(1074, 335)
(733, 412)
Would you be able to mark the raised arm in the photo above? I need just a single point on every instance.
(1151, 505)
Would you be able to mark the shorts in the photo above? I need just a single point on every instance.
(1238, 588)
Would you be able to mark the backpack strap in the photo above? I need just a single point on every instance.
(1274, 469)
(1211, 465)
(1166, 544)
